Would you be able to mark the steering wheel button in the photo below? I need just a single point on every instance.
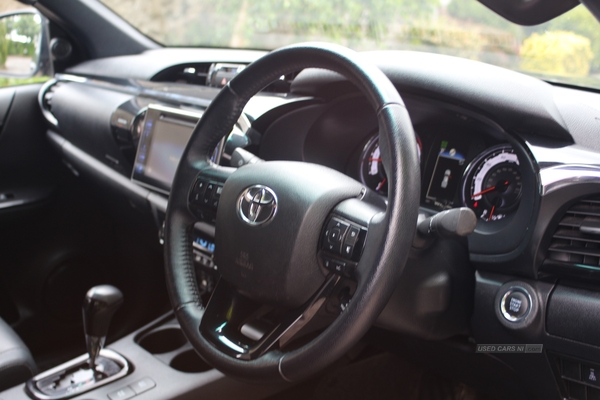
(200, 185)
(342, 226)
(336, 266)
(334, 235)
(339, 266)
(206, 200)
(334, 248)
(347, 250)
(198, 192)
(195, 198)
(352, 235)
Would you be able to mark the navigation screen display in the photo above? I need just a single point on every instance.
(164, 137)
(446, 175)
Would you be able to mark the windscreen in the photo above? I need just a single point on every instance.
(566, 49)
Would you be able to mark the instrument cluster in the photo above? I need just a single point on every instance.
(456, 172)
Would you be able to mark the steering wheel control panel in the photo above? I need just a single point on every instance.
(342, 244)
(204, 199)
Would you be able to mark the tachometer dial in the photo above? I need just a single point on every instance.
(492, 184)
(372, 173)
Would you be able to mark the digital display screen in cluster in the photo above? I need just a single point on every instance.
(447, 174)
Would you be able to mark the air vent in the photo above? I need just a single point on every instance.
(575, 246)
(283, 85)
(45, 100)
(193, 73)
(212, 74)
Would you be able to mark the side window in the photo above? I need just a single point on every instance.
(20, 38)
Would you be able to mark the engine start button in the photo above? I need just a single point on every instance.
(515, 304)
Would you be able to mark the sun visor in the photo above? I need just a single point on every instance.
(529, 12)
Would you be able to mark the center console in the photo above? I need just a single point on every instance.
(161, 364)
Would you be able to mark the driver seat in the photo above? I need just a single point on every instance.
(16, 362)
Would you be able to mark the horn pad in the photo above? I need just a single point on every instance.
(269, 222)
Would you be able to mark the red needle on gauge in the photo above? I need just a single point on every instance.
(381, 184)
(375, 159)
(491, 213)
(499, 186)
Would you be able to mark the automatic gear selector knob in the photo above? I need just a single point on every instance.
(83, 374)
(100, 304)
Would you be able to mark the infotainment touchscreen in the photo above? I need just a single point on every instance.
(164, 136)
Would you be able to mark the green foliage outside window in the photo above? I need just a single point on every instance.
(22, 81)
(557, 52)
(3, 43)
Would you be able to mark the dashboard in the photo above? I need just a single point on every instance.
(519, 152)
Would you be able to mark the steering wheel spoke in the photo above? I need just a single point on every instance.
(245, 329)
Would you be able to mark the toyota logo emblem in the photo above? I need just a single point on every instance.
(257, 205)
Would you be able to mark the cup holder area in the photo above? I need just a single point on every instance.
(189, 361)
(163, 340)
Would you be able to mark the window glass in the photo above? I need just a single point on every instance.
(565, 49)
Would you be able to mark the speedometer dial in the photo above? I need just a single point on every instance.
(492, 184)
(372, 173)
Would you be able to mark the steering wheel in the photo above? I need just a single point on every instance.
(289, 234)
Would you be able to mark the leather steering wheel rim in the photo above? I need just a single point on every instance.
(390, 231)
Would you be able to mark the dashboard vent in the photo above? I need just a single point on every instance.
(575, 246)
(193, 73)
(201, 73)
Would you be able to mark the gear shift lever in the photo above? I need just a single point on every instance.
(99, 306)
(86, 373)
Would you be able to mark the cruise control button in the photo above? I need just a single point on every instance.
(143, 385)
(122, 394)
